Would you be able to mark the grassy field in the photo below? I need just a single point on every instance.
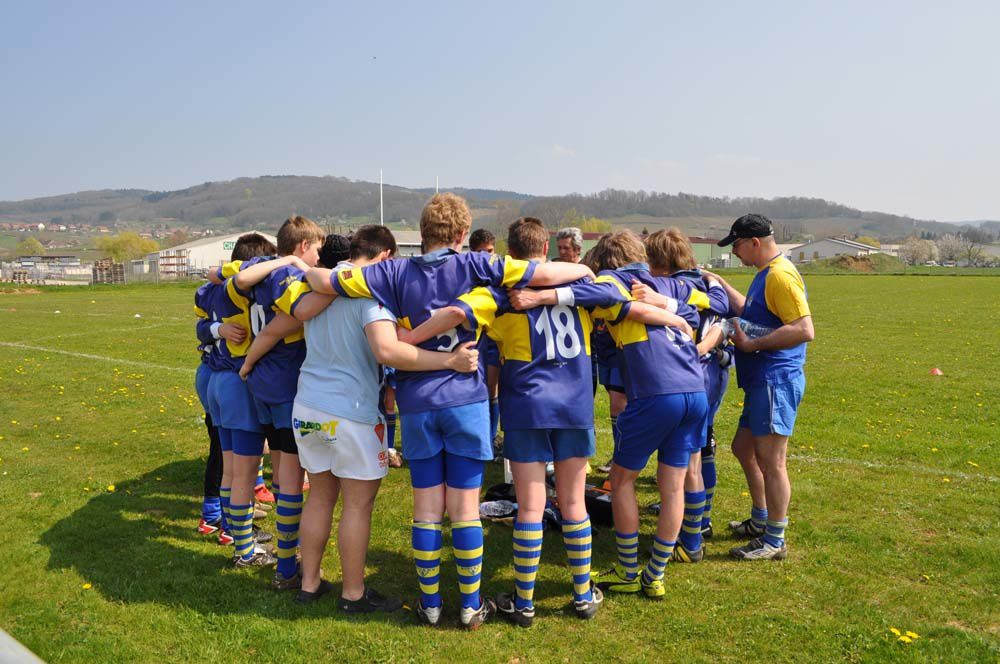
(894, 521)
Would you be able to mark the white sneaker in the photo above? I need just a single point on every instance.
(758, 549)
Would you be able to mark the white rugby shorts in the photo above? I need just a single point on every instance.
(345, 448)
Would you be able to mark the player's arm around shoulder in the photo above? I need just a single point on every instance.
(280, 327)
(555, 274)
(389, 350)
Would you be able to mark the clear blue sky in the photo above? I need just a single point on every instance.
(891, 106)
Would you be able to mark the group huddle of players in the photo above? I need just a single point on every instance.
(294, 340)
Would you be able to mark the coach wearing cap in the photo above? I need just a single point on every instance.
(769, 369)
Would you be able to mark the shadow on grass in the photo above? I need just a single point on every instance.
(139, 544)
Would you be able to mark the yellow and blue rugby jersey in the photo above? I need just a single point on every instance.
(275, 377)
(654, 360)
(224, 303)
(412, 289)
(777, 296)
(545, 379)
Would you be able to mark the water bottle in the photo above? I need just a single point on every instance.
(752, 330)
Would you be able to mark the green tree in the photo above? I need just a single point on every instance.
(30, 247)
(126, 246)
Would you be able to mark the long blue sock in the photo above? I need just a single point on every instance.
(694, 505)
(390, 430)
(260, 475)
(527, 553)
(426, 541)
(628, 553)
(241, 517)
(759, 516)
(467, 542)
(211, 508)
(658, 559)
(709, 476)
(289, 513)
(774, 533)
(494, 417)
(577, 540)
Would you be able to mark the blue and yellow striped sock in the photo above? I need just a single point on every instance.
(694, 505)
(708, 474)
(628, 553)
(759, 516)
(260, 474)
(225, 493)
(426, 540)
(659, 555)
(494, 417)
(577, 540)
(241, 518)
(527, 553)
(467, 543)
(774, 532)
(288, 514)
(390, 430)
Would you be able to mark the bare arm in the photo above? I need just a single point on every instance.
(650, 315)
(643, 293)
(554, 274)
(440, 322)
(310, 305)
(393, 352)
(526, 298)
(319, 281)
(787, 336)
(253, 275)
(736, 299)
(280, 327)
(712, 338)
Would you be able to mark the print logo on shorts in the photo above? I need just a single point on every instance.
(305, 427)
(383, 459)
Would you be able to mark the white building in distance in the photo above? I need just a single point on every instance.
(828, 248)
(193, 257)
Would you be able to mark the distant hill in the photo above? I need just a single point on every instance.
(263, 202)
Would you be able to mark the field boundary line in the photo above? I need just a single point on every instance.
(914, 468)
(102, 331)
(100, 358)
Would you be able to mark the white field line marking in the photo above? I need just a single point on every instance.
(139, 328)
(47, 312)
(101, 358)
(913, 468)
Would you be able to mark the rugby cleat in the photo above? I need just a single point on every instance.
(682, 555)
(370, 602)
(758, 549)
(586, 610)
(654, 508)
(507, 607)
(615, 580)
(746, 528)
(280, 582)
(706, 531)
(430, 615)
(260, 536)
(474, 618)
(654, 589)
(262, 494)
(225, 539)
(259, 558)
(208, 527)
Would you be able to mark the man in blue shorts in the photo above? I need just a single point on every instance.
(445, 415)
(770, 371)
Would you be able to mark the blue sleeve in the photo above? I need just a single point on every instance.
(718, 300)
(490, 269)
(591, 294)
(203, 329)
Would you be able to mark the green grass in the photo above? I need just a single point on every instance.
(894, 516)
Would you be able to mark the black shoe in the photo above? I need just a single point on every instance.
(260, 558)
(507, 607)
(706, 531)
(473, 618)
(371, 601)
(306, 597)
(586, 610)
